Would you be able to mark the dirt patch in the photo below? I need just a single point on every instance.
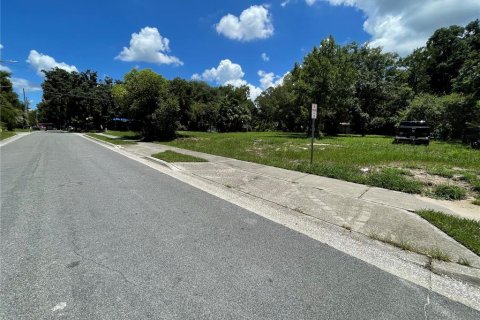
(432, 180)
(192, 139)
(327, 145)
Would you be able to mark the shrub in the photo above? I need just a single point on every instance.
(394, 179)
(446, 115)
(450, 192)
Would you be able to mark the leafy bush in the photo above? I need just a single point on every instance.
(472, 179)
(450, 192)
(394, 179)
(162, 123)
(476, 201)
(446, 115)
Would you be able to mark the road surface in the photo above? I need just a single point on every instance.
(87, 233)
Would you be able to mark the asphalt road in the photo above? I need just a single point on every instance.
(87, 233)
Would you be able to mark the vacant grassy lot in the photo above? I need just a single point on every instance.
(107, 139)
(171, 156)
(6, 134)
(371, 160)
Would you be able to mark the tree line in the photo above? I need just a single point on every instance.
(12, 111)
(356, 85)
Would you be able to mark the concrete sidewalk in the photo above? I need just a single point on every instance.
(107, 135)
(367, 210)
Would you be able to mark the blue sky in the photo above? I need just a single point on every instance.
(237, 42)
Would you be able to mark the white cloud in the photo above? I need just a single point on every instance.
(148, 46)
(265, 57)
(254, 92)
(402, 26)
(227, 71)
(253, 23)
(2, 67)
(269, 79)
(284, 3)
(19, 84)
(230, 73)
(41, 62)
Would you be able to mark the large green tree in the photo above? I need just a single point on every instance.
(77, 99)
(447, 51)
(327, 78)
(235, 110)
(145, 98)
(380, 89)
(11, 109)
(468, 79)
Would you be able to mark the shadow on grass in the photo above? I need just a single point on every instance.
(303, 135)
(136, 137)
(167, 139)
(300, 136)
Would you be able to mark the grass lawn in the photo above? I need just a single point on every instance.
(6, 134)
(171, 156)
(107, 139)
(126, 135)
(371, 160)
(465, 231)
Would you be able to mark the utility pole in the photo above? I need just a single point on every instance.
(26, 107)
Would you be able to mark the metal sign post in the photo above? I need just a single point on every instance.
(314, 116)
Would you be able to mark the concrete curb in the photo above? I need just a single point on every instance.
(163, 163)
(453, 270)
(102, 141)
(13, 138)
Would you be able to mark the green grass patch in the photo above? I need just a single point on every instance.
(6, 134)
(171, 156)
(394, 180)
(441, 171)
(449, 192)
(404, 245)
(472, 179)
(107, 139)
(465, 231)
(476, 201)
(340, 157)
(438, 254)
(126, 135)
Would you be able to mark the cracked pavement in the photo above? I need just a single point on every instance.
(87, 233)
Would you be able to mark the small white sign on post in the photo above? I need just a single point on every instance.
(314, 111)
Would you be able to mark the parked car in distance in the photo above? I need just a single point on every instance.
(471, 135)
(415, 132)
